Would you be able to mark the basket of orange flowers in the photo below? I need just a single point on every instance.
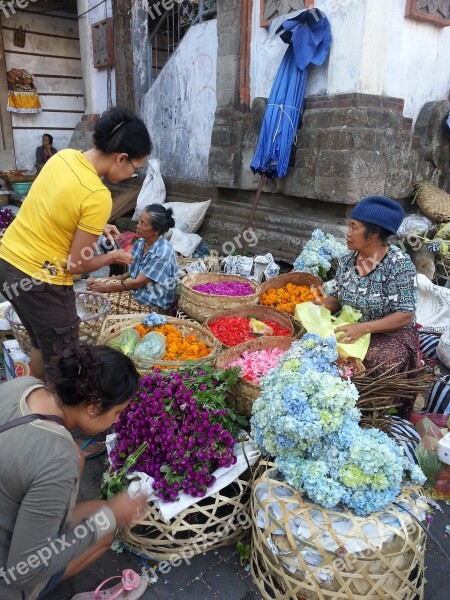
(286, 291)
(186, 342)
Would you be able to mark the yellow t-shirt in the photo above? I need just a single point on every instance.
(67, 195)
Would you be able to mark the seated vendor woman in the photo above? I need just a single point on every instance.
(45, 151)
(379, 280)
(150, 283)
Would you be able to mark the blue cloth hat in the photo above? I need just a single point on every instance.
(381, 211)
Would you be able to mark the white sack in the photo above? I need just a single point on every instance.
(153, 189)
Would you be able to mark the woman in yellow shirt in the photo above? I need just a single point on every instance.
(55, 232)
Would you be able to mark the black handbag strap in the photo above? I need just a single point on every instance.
(29, 419)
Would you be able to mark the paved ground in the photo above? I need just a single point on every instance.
(218, 575)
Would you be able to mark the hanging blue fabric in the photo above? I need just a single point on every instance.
(309, 38)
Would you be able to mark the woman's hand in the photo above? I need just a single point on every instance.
(127, 510)
(347, 334)
(94, 285)
(120, 257)
(111, 232)
(329, 302)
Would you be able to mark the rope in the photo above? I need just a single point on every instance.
(282, 111)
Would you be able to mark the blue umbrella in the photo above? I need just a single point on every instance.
(308, 35)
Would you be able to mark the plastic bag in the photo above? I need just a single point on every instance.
(153, 189)
(427, 455)
(260, 327)
(152, 346)
(437, 473)
(426, 427)
(442, 421)
(318, 319)
(126, 341)
(415, 225)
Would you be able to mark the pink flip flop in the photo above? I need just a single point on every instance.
(132, 587)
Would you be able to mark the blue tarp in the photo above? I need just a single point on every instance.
(309, 38)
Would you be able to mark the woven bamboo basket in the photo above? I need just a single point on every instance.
(432, 201)
(94, 309)
(442, 271)
(296, 278)
(258, 312)
(216, 521)
(17, 176)
(202, 306)
(246, 392)
(113, 325)
(381, 390)
(300, 551)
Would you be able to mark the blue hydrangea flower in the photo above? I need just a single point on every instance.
(306, 418)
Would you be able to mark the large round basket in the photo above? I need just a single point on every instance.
(296, 278)
(202, 306)
(303, 550)
(246, 392)
(216, 521)
(92, 309)
(260, 313)
(432, 201)
(114, 324)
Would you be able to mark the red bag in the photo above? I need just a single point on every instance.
(127, 240)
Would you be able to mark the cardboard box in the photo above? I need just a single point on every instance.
(17, 363)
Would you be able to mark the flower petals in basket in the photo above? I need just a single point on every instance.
(246, 392)
(277, 294)
(92, 308)
(201, 306)
(260, 313)
(114, 324)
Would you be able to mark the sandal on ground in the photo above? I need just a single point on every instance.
(91, 448)
(132, 587)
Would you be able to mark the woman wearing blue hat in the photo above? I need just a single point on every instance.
(379, 280)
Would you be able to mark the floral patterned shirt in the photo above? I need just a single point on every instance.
(391, 287)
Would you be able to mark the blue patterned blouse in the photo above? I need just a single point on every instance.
(391, 287)
(160, 265)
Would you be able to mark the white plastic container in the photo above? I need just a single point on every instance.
(444, 449)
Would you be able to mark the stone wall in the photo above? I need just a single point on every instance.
(349, 146)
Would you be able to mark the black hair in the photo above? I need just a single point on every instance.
(371, 229)
(120, 130)
(50, 137)
(93, 374)
(162, 219)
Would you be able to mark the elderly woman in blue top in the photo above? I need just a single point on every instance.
(152, 277)
(379, 280)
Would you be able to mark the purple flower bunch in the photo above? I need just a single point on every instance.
(225, 288)
(185, 443)
(6, 217)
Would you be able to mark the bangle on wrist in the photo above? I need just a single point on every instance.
(122, 281)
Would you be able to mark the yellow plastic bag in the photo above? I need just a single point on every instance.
(319, 320)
